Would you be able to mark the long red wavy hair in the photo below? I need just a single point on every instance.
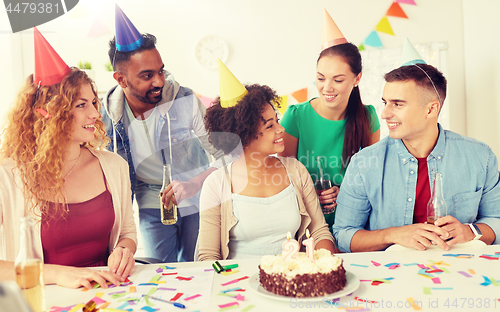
(37, 145)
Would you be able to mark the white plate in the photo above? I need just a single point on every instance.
(352, 284)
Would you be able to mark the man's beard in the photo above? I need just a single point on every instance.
(146, 99)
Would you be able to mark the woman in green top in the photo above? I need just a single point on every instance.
(333, 126)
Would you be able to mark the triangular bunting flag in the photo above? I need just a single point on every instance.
(283, 104)
(396, 10)
(97, 29)
(412, 2)
(361, 47)
(300, 95)
(373, 40)
(384, 26)
(208, 102)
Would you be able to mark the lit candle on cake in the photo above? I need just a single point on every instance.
(290, 247)
(309, 243)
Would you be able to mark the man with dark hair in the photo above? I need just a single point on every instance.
(383, 199)
(117, 59)
(152, 121)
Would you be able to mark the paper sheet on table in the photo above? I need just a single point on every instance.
(200, 284)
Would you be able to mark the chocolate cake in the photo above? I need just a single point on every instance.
(302, 277)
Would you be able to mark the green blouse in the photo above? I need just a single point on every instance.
(320, 137)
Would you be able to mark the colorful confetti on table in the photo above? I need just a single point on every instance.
(359, 265)
(234, 281)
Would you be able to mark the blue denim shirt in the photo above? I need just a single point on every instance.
(380, 185)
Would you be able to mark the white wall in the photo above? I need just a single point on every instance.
(10, 67)
(482, 70)
(271, 42)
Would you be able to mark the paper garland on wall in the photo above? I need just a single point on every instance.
(98, 29)
(396, 10)
(205, 100)
(384, 26)
(373, 40)
(412, 2)
(283, 104)
(300, 96)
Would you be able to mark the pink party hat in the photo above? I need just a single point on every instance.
(49, 66)
(128, 38)
(332, 35)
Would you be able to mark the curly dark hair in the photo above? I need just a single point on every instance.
(243, 119)
(116, 57)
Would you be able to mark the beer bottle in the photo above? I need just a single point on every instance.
(169, 212)
(29, 267)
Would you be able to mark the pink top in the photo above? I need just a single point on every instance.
(80, 238)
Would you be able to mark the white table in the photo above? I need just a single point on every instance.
(466, 295)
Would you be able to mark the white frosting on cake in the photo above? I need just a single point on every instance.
(324, 262)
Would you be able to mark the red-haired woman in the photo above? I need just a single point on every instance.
(54, 169)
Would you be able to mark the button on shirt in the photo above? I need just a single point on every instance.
(380, 185)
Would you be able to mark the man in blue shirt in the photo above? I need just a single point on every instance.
(384, 190)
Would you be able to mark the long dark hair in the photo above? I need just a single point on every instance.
(357, 127)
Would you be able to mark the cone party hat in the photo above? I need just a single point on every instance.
(410, 56)
(128, 38)
(231, 90)
(332, 35)
(49, 66)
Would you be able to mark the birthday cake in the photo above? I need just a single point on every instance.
(302, 277)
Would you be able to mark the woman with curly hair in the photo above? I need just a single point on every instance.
(54, 169)
(248, 206)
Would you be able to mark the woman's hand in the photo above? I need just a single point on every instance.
(73, 277)
(328, 198)
(121, 261)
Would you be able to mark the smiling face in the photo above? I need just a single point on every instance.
(85, 115)
(270, 134)
(142, 78)
(406, 112)
(335, 81)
